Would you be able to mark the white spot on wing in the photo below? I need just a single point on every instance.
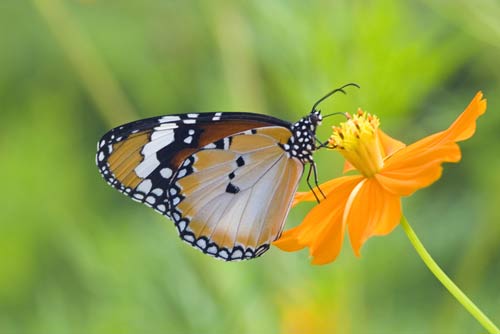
(147, 166)
(166, 173)
(223, 254)
(202, 243)
(211, 145)
(211, 250)
(166, 126)
(145, 186)
(157, 191)
(181, 225)
(181, 173)
(166, 119)
(159, 139)
(138, 196)
(237, 254)
(217, 116)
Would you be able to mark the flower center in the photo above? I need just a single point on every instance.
(357, 140)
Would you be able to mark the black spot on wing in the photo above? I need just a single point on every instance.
(240, 162)
(232, 189)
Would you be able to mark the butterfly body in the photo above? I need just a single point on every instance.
(227, 180)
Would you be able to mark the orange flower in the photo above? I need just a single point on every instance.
(370, 204)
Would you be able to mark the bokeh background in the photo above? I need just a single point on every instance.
(78, 257)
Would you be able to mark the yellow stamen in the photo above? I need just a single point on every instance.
(357, 140)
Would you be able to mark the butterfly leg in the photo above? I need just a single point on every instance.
(321, 144)
(316, 183)
(313, 170)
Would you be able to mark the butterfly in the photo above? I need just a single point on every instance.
(226, 179)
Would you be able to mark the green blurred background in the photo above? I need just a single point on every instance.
(78, 257)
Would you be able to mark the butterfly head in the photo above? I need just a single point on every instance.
(315, 118)
(302, 143)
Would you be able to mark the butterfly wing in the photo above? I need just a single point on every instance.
(231, 202)
(223, 178)
(140, 158)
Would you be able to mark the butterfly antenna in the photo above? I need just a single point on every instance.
(336, 113)
(341, 89)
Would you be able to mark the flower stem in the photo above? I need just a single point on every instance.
(446, 281)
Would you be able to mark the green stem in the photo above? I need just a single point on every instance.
(446, 281)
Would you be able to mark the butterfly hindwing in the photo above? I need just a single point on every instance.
(231, 201)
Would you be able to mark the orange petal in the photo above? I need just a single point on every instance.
(465, 125)
(303, 196)
(289, 240)
(370, 211)
(329, 238)
(348, 167)
(419, 165)
(322, 229)
(412, 169)
(326, 188)
(389, 144)
(461, 129)
(391, 215)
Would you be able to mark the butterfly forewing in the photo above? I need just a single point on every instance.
(231, 202)
(140, 158)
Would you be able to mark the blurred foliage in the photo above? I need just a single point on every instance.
(78, 257)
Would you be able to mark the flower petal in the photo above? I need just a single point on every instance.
(322, 229)
(391, 215)
(348, 167)
(303, 196)
(389, 144)
(411, 169)
(326, 188)
(465, 125)
(370, 210)
(419, 164)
